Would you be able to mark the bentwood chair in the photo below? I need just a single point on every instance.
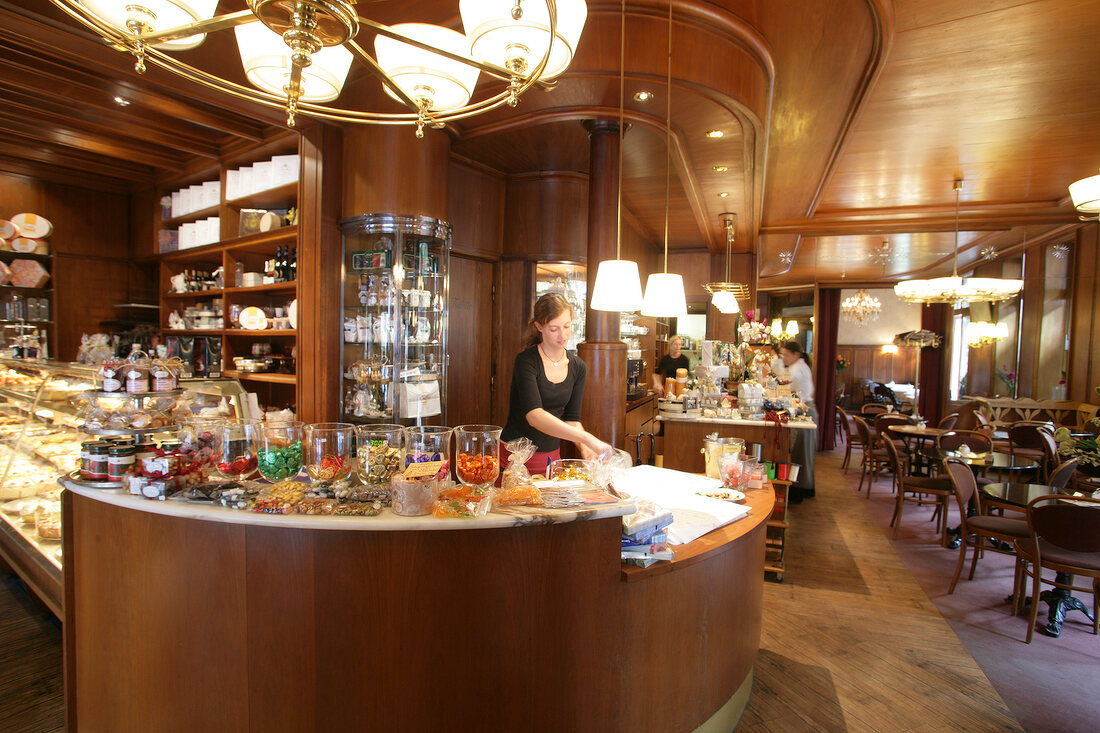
(979, 527)
(874, 457)
(1060, 477)
(947, 422)
(851, 437)
(977, 441)
(1025, 439)
(919, 490)
(1064, 536)
(873, 408)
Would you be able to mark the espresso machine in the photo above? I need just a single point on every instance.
(635, 374)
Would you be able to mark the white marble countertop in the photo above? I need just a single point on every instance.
(386, 521)
(738, 421)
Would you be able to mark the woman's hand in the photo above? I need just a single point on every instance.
(592, 448)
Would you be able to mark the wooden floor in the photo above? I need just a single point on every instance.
(851, 642)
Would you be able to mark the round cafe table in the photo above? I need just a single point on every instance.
(1059, 600)
(992, 461)
(918, 434)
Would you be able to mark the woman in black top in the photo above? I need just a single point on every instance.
(669, 363)
(547, 388)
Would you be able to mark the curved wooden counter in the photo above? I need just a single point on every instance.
(177, 623)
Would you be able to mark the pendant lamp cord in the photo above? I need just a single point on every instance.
(622, 66)
(668, 128)
(958, 189)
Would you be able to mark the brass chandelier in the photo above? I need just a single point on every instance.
(955, 289)
(297, 53)
(724, 295)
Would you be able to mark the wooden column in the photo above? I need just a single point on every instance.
(604, 409)
(319, 265)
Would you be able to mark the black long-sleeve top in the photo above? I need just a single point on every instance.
(532, 390)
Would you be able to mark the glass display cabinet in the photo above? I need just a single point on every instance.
(395, 306)
(570, 280)
(40, 439)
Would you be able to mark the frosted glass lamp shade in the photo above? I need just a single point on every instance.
(725, 302)
(266, 60)
(618, 286)
(792, 329)
(496, 38)
(154, 16)
(444, 84)
(1086, 195)
(777, 328)
(664, 296)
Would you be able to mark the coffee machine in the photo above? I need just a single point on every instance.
(635, 375)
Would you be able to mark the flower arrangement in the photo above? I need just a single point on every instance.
(1085, 450)
(753, 332)
(1008, 377)
(841, 363)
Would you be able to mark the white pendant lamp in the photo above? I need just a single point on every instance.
(664, 291)
(152, 16)
(618, 284)
(433, 81)
(664, 296)
(1086, 196)
(267, 64)
(515, 36)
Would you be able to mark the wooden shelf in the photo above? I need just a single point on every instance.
(203, 213)
(192, 331)
(270, 377)
(7, 254)
(280, 196)
(261, 332)
(285, 287)
(196, 294)
(260, 241)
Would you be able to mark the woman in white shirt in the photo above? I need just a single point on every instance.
(804, 444)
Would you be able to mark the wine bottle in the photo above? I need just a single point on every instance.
(294, 265)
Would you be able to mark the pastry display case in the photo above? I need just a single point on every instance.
(395, 306)
(40, 439)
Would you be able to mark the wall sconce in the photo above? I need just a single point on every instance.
(890, 349)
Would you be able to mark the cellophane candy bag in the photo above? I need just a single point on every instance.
(516, 485)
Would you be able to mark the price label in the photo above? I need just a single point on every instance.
(427, 468)
(771, 394)
(784, 390)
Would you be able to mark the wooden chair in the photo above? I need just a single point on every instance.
(1026, 439)
(947, 422)
(873, 457)
(921, 487)
(981, 526)
(1059, 478)
(851, 437)
(977, 441)
(1064, 536)
(873, 408)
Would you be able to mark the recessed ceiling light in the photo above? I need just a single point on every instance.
(715, 133)
(723, 195)
(643, 96)
(720, 169)
(122, 101)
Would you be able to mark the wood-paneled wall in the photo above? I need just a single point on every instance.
(1084, 341)
(869, 363)
(92, 267)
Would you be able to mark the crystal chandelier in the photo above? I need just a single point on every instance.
(296, 54)
(882, 255)
(861, 307)
(955, 289)
(724, 295)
